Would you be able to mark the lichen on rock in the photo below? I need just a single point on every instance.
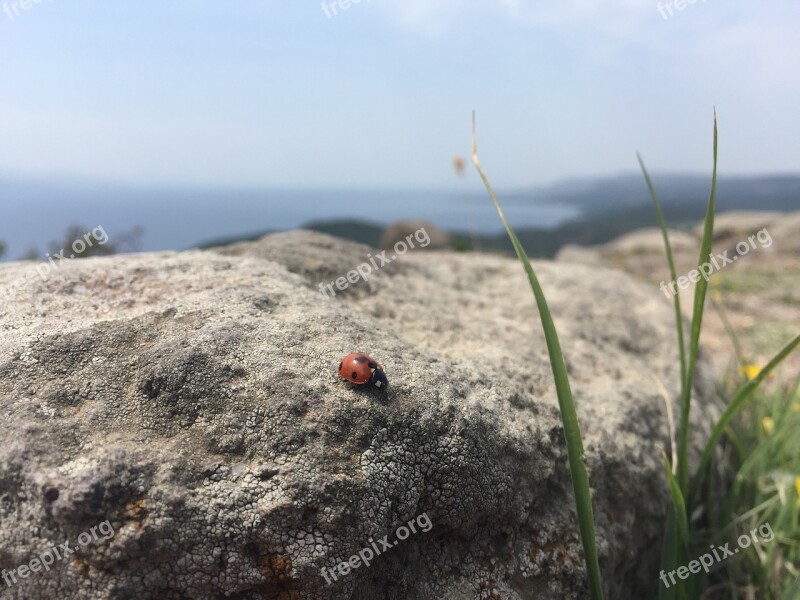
(191, 400)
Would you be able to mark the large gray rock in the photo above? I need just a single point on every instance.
(190, 402)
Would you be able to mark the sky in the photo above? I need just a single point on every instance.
(379, 94)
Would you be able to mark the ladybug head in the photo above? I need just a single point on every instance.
(379, 379)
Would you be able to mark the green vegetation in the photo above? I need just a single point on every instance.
(712, 526)
(765, 450)
(758, 438)
(569, 416)
(126, 241)
(732, 281)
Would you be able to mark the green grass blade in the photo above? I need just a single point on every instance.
(671, 261)
(684, 588)
(697, 319)
(736, 405)
(680, 507)
(669, 556)
(680, 523)
(569, 416)
(726, 324)
(794, 593)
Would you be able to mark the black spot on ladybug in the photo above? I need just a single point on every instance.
(354, 375)
(341, 364)
(372, 365)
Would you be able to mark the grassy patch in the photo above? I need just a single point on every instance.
(757, 434)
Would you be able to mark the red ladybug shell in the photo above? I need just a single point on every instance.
(360, 368)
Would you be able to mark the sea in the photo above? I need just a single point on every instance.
(177, 219)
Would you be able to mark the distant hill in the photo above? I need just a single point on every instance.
(616, 205)
(594, 227)
(774, 192)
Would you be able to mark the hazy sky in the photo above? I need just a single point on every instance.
(380, 94)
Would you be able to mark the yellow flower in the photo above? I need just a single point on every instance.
(767, 425)
(750, 370)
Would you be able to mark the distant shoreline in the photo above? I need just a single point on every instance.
(582, 211)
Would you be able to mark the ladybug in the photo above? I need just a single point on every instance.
(361, 369)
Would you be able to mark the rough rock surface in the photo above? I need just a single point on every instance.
(191, 400)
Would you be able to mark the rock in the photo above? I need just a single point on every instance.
(640, 252)
(738, 223)
(416, 232)
(751, 233)
(759, 280)
(650, 240)
(582, 255)
(786, 232)
(190, 402)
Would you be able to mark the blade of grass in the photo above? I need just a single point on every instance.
(680, 545)
(670, 419)
(726, 324)
(738, 402)
(569, 416)
(795, 591)
(671, 552)
(680, 507)
(669, 556)
(671, 261)
(697, 319)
